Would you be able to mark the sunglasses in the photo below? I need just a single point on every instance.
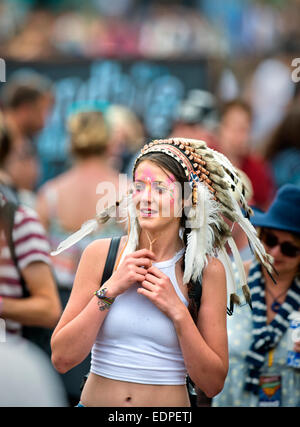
(287, 248)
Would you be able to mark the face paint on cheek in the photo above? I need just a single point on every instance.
(153, 179)
(171, 185)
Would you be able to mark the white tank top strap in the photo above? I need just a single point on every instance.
(178, 255)
(168, 267)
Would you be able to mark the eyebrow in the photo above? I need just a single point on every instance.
(158, 182)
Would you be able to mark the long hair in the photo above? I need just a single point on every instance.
(171, 165)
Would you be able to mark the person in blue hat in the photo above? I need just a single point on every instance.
(258, 373)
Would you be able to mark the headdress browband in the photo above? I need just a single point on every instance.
(191, 162)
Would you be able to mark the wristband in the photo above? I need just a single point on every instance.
(104, 302)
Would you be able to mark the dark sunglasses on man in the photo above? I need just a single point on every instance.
(287, 248)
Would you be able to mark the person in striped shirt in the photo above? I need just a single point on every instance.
(42, 307)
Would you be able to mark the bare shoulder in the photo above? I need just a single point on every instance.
(96, 252)
(214, 268)
(214, 281)
(49, 186)
(214, 297)
(247, 265)
(99, 247)
(54, 184)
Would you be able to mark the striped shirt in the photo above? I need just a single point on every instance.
(31, 245)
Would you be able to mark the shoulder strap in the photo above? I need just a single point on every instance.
(196, 292)
(8, 218)
(111, 257)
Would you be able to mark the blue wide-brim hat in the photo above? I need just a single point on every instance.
(284, 212)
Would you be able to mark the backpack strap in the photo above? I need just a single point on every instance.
(196, 292)
(8, 220)
(111, 258)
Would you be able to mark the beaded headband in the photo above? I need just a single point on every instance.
(182, 151)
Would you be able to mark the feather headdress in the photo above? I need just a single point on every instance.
(218, 192)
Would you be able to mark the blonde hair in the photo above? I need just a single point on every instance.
(120, 117)
(88, 133)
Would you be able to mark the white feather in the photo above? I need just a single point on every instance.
(230, 281)
(88, 227)
(202, 231)
(238, 262)
(134, 230)
(230, 277)
(251, 233)
(190, 253)
(200, 241)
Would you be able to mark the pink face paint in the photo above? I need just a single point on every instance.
(161, 183)
(146, 173)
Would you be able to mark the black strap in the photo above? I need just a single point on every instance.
(111, 258)
(8, 218)
(196, 292)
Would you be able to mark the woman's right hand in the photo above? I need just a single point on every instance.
(133, 269)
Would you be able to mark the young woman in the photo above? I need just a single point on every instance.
(144, 339)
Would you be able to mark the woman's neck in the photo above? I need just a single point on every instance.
(91, 162)
(162, 243)
(283, 281)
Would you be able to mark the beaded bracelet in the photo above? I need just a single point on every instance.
(104, 302)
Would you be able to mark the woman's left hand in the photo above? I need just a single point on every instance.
(159, 289)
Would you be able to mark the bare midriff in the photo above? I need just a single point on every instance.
(100, 391)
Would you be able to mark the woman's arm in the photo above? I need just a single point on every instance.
(42, 307)
(204, 346)
(77, 329)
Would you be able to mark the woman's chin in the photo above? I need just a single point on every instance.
(150, 222)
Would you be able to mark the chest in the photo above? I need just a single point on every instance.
(133, 320)
(271, 303)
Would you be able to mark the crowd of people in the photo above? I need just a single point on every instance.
(37, 30)
(40, 294)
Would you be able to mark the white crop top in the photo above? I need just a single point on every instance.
(137, 342)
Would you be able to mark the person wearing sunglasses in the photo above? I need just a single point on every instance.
(258, 338)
